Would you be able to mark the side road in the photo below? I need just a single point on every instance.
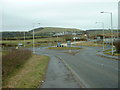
(58, 76)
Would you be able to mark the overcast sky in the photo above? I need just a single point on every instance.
(82, 14)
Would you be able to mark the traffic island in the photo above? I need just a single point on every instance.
(108, 54)
(64, 48)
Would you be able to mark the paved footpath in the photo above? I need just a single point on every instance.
(58, 76)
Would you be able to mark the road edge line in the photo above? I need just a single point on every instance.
(75, 75)
(102, 55)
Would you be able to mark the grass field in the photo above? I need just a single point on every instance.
(63, 48)
(89, 44)
(29, 43)
(30, 75)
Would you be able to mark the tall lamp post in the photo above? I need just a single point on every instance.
(34, 37)
(24, 39)
(103, 34)
(111, 28)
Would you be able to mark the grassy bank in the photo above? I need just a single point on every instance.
(63, 48)
(31, 74)
(110, 53)
(89, 44)
(12, 61)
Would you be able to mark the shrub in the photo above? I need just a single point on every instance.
(13, 60)
(117, 45)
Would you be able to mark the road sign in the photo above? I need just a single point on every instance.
(68, 43)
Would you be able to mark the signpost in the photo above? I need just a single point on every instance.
(68, 43)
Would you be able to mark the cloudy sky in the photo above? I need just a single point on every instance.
(82, 14)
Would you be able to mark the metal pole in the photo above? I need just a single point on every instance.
(33, 40)
(24, 39)
(112, 31)
(57, 38)
(74, 36)
(96, 37)
(103, 36)
(50, 38)
(111, 28)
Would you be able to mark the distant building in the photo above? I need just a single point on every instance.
(76, 38)
(20, 44)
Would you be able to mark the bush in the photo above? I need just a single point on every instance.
(117, 45)
(13, 60)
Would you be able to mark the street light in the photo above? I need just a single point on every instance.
(34, 37)
(103, 34)
(24, 39)
(111, 28)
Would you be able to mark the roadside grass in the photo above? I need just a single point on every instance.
(115, 54)
(109, 53)
(63, 48)
(13, 61)
(31, 74)
(89, 44)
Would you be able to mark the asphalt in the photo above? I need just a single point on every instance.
(93, 71)
(58, 76)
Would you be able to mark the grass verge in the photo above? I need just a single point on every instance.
(12, 61)
(110, 53)
(31, 74)
(89, 44)
(63, 48)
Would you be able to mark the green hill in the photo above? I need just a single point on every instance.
(54, 29)
(39, 32)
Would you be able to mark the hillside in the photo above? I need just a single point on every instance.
(54, 29)
(40, 32)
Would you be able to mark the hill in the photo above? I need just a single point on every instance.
(40, 32)
(54, 29)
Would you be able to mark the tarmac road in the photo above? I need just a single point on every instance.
(94, 71)
(58, 76)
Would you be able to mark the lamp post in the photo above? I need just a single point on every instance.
(111, 28)
(57, 38)
(34, 37)
(103, 34)
(24, 39)
(50, 43)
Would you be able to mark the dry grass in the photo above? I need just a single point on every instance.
(31, 75)
(12, 61)
(89, 44)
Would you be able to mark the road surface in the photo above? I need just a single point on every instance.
(58, 76)
(93, 71)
